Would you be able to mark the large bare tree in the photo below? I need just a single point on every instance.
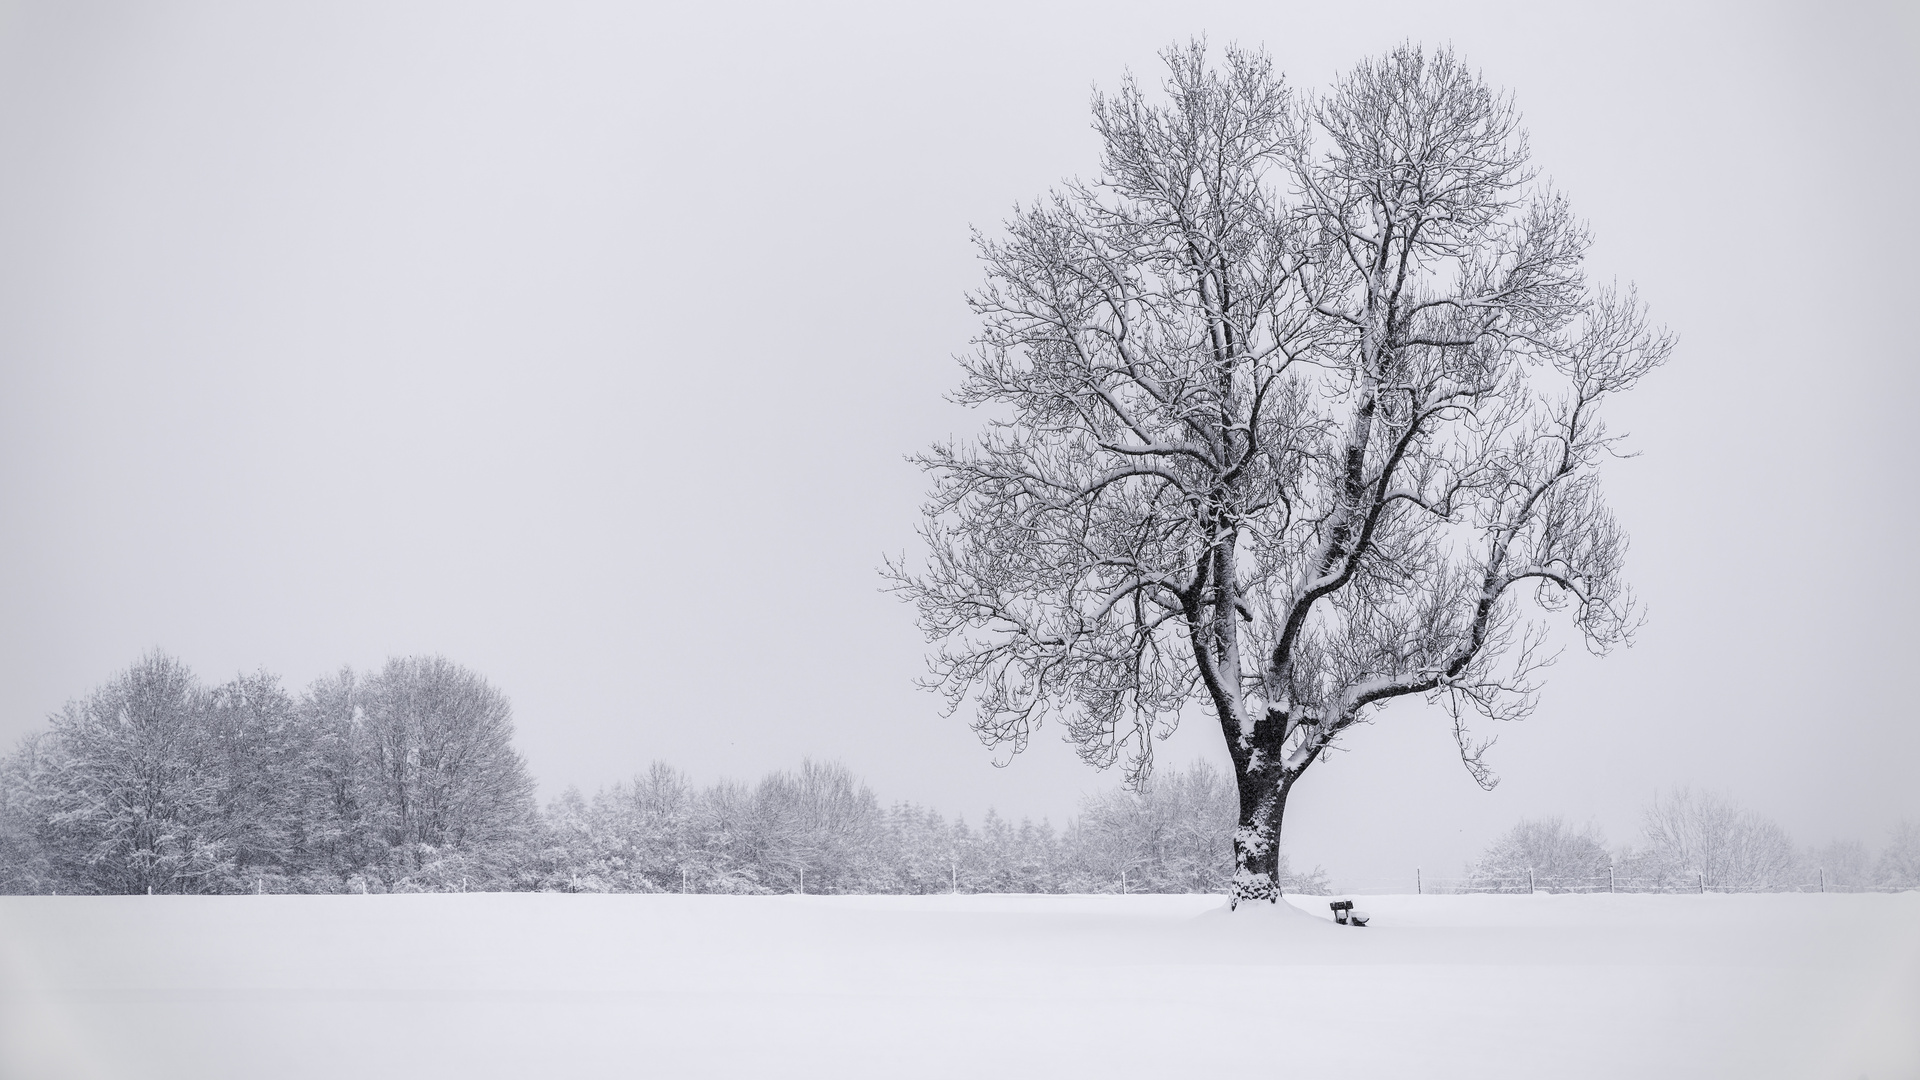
(1294, 411)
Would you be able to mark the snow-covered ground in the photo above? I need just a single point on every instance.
(1802, 986)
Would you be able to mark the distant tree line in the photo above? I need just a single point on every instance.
(819, 830)
(1688, 841)
(406, 779)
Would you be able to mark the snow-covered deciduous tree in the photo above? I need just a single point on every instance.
(1295, 411)
(840, 827)
(447, 792)
(1544, 854)
(811, 831)
(341, 838)
(1704, 839)
(1899, 863)
(270, 794)
(133, 787)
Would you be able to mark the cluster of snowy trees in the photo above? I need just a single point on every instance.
(1689, 840)
(406, 779)
(403, 778)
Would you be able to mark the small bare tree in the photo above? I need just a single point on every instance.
(1291, 409)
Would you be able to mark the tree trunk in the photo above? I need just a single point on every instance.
(1256, 842)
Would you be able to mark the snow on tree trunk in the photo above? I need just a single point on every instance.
(1256, 839)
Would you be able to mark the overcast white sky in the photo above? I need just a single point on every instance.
(583, 343)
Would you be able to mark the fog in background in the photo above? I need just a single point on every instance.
(583, 344)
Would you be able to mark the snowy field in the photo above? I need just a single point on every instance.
(1802, 986)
